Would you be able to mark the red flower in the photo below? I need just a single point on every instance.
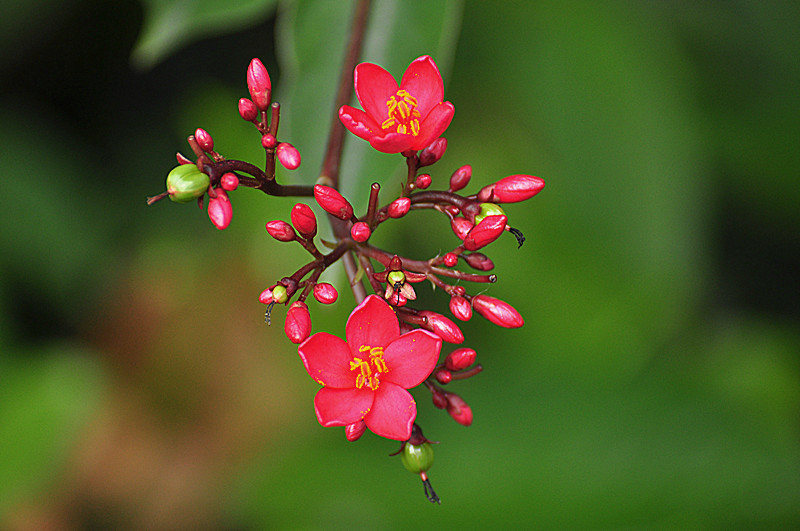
(367, 376)
(398, 119)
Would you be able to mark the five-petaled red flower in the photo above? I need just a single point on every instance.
(403, 118)
(366, 377)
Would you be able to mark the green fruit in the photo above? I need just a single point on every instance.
(417, 457)
(489, 209)
(186, 182)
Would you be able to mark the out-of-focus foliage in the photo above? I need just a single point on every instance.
(656, 382)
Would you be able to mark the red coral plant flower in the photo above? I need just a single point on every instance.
(398, 119)
(366, 377)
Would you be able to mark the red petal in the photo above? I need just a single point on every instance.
(393, 412)
(434, 125)
(423, 81)
(393, 143)
(327, 360)
(411, 358)
(372, 323)
(340, 407)
(358, 122)
(374, 86)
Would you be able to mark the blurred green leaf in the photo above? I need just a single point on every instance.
(171, 24)
(311, 44)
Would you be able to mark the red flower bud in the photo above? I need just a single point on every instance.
(512, 189)
(204, 140)
(268, 141)
(450, 259)
(399, 207)
(460, 178)
(325, 293)
(460, 359)
(332, 202)
(423, 181)
(220, 210)
(229, 182)
(461, 227)
(443, 376)
(458, 291)
(439, 398)
(485, 232)
(298, 322)
(288, 156)
(266, 296)
(458, 409)
(460, 308)
(443, 327)
(452, 210)
(259, 84)
(281, 231)
(433, 153)
(354, 431)
(479, 261)
(360, 232)
(499, 312)
(247, 109)
(304, 220)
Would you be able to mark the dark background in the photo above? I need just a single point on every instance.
(656, 382)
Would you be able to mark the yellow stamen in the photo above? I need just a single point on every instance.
(402, 113)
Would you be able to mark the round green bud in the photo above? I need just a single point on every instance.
(396, 277)
(489, 209)
(417, 457)
(279, 294)
(185, 183)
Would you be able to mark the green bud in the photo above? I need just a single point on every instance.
(186, 182)
(488, 209)
(417, 457)
(396, 277)
(279, 294)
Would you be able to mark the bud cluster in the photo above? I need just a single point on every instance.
(477, 220)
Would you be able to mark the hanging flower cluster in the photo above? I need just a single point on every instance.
(389, 347)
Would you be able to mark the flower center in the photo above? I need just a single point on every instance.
(370, 368)
(403, 113)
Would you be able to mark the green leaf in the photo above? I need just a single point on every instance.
(311, 43)
(171, 24)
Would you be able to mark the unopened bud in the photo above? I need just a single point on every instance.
(443, 376)
(304, 220)
(247, 109)
(488, 230)
(204, 140)
(417, 458)
(354, 431)
(443, 327)
(229, 182)
(450, 259)
(461, 227)
(459, 409)
(332, 202)
(259, 84)
(268, 141)
(423, 181)
(460, 359)
(512, 189)
(360, 232)
(399, 207)
(288, 155)
(325, 293)
(266, 296)
(460, 178)
(281, 231)
(479, 261)
(433, 153)
(439, 398)
(186, 182)
(220, 211)
(298, 322)
(460, 308)
(499, 312)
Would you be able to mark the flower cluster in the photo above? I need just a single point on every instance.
(389, 346)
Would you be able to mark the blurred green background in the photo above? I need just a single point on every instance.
(656, 383)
